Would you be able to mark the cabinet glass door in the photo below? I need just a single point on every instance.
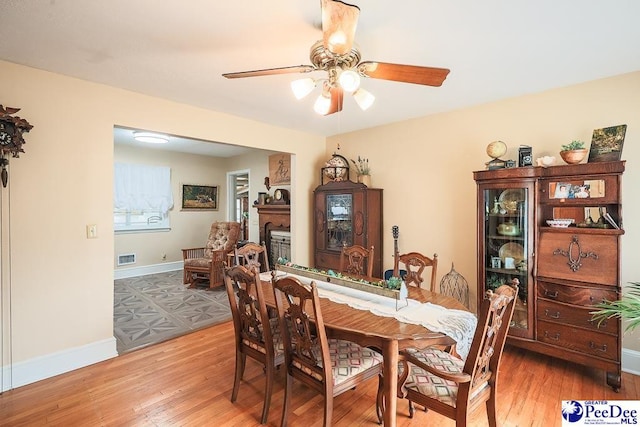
(507, 247)
(339, 221)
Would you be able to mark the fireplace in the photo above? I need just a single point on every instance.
(275, 219)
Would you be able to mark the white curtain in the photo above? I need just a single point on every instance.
(142, 187)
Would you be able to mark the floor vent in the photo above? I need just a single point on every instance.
(125, 259)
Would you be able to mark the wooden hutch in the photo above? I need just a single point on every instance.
(563, 271)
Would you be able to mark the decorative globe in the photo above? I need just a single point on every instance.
(496, 149)
(336, 168)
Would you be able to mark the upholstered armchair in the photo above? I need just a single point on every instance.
(207, 263)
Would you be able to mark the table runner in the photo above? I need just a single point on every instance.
(458, 324)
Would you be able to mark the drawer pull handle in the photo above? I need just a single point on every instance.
(550, 294)
(556, 337)
(554, 315)
(599, 324)
(593, 346)
(575, 256)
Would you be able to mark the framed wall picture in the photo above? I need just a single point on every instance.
(280, 169)
(606, 144)
(199, 197)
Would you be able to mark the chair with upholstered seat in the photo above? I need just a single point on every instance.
(256, 335)
(252, 255)
(207, 263)
(454, 387)
(414, 264)
(329, 366)
(353, 259)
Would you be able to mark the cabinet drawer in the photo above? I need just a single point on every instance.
(574, 294)
(590, 258)
(576, 316)
(583, 341)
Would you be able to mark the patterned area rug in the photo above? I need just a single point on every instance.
(157, 307)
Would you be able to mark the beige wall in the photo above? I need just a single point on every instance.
(61, 283)
(425, 165)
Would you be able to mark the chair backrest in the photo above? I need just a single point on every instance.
(253, 256)
(494, 318)
(453, 284)
(249, 310)
(415, 263)
(222, 236)
(308, 358)
(353, 258)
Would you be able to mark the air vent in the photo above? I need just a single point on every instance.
(125, 259)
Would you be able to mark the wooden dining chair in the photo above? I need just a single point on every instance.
(414, 263)
(253, 255)
(454, 387)
(353, 258)
(329, 366)
(256, 335)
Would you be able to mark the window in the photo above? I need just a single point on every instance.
(141, 198)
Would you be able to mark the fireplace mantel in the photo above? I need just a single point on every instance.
(273, 217)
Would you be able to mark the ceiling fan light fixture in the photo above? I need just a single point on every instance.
(322, 104)
(150, 138)
(302, 87)
(363, 98)
(349, 80)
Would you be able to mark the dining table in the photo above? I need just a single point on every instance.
(387, 334)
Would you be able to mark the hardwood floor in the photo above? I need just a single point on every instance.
(187, 381)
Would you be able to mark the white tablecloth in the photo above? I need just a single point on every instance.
(458, 324)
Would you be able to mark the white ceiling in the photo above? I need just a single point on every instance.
(178, 50)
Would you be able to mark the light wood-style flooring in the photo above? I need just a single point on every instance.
(187, 381)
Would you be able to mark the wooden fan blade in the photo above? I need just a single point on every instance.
(339, 21)
(271, 71)
(404, 73)
(337, 96)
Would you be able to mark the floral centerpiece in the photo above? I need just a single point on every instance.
(362, 170)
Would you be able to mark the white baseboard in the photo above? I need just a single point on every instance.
(40, 368)
(631, 361)
(125, 273)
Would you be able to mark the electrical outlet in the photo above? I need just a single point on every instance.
(92, 231)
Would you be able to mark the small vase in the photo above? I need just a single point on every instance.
(365, 179)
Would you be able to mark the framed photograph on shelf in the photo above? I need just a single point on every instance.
(199, 197)
(606, 144)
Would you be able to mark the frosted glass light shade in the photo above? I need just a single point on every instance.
(151, 138)
(363, 98)
(322, 105)
(302, 87)
(349, 80)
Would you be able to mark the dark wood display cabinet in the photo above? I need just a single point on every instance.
(346, 213)
(564, 270)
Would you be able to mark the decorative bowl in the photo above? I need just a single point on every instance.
(574, 156)
(560, 222)
(546, 161)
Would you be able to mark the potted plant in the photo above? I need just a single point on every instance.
(574, 152)
(627, 308)
(362, 170)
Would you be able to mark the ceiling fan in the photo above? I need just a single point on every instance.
(337, 55)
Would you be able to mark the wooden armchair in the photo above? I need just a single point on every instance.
(453, 387)
(415, 263)
(353, 258)
(329, 366)
(207, 263)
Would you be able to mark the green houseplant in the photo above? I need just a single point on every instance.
(574, 152)
(627, 308)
